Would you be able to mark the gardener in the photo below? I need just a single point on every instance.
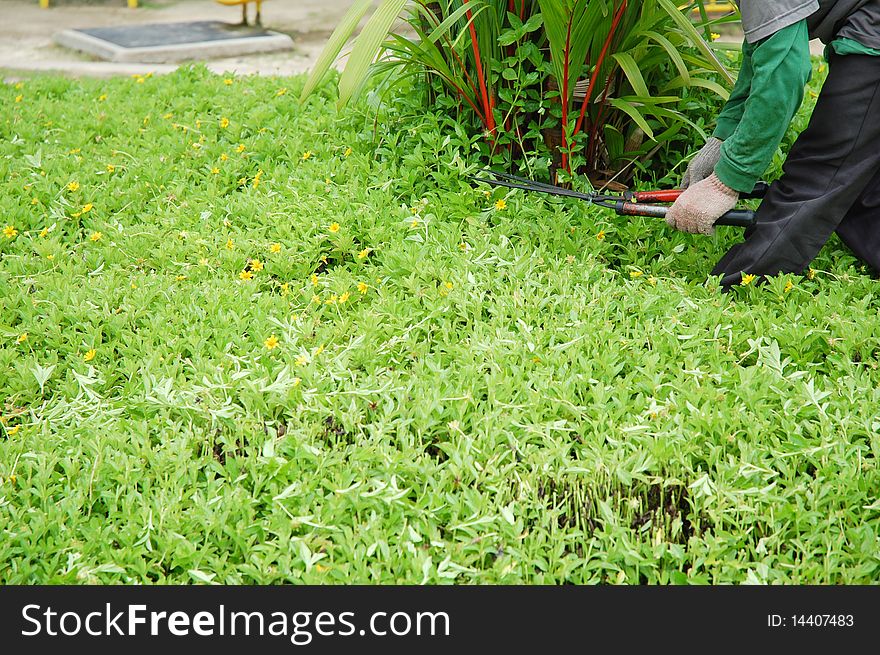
(831, 180)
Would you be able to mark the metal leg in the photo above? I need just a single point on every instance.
(259, 2)
(244, 14)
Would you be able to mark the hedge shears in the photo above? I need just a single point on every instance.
(629, 203)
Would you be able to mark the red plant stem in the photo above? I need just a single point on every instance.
(522, 9)
(487, 104)
(614, 25)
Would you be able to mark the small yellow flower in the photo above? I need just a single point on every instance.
(110, 168)
(331, 300)
(344, 297)
(50, 257)
(271, 342)
(245, 275)
(180, 278)
(715, 36)
(811, 274)
(12, 432)
(19, 98)
(224, 123)
(347, 152)
(168, 116)
(35, 201)
(87, 208)
(22, 337)
(319, 350)
(500, 204)
(362, 287)
(463, 246)
(215, 170)
(203, 261)
(788, 286)
(44, 232)
(230, 244)
(240, 148)
(316, 299)
(9, 231)
(747, 279)
(652, 281)
(73, 186)
(256, 265)
(635, 274)
(314, 279)
(285, 289)
(415, 223)
(296, 382)
(242, 181)
(224, 157)
(257, 178)
(280, 92)
(75, 151)
(601, 235)
(275, 248)
(448, 285)
(228, 81)
(90, 355)
(307, 155)
(302, 360)
(363, 253)
(334, 228)
(96, 236)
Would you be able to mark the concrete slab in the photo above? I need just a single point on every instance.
(173, 42)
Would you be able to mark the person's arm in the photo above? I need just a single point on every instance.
(780, 68)
(729, 118)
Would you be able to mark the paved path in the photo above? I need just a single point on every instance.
(26, 34)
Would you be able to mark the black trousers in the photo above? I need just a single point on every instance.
(830, 182)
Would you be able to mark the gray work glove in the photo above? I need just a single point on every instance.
(703, 203)
(703, 164)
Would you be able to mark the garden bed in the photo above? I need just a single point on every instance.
(244, 340)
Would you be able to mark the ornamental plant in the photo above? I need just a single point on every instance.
(601, 83)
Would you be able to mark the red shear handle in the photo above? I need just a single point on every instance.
(736, 218)
(670, 195)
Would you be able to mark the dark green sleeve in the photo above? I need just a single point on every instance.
(730, 116)
(780, 69)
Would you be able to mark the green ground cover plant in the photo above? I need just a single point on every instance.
(245, 340)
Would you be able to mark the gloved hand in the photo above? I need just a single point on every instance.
(703, 164)
(703, 203)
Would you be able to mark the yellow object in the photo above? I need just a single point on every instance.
(244, 4)
(714, 7)
(132, 4)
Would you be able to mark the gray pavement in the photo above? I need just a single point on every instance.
(26, 34)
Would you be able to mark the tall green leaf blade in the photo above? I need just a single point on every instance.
(632, 72)
(366, 47)
(694, 37)
(334, 45)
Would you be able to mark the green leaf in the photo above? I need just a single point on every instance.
(334, 45)
(633, 74)
(366, 48)
(685, 25)
(631, 111)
